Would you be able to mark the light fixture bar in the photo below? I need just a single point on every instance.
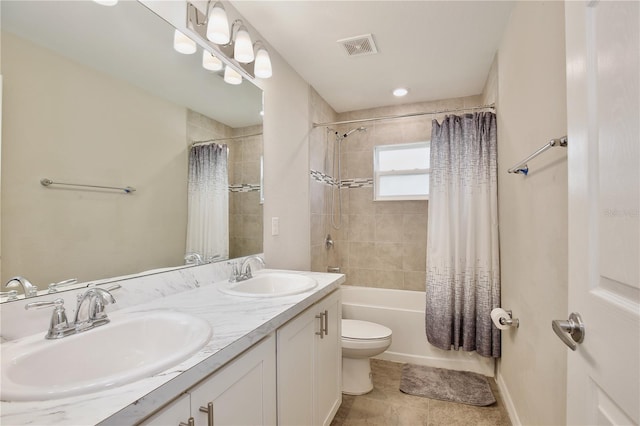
(198, 32)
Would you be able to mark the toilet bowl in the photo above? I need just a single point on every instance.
(361, 340)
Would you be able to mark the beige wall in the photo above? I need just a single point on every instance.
(92, 129)
(533, 211)
(287, 126)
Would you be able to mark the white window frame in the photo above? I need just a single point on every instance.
(377, 174)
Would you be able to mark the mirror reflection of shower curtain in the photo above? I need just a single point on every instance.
(208, 201)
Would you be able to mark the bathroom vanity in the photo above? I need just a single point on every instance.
(270, 360)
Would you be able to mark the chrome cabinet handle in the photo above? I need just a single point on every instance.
(571, 332)
(322, 330)
(209, 410)
(326, 322)
(190, 422)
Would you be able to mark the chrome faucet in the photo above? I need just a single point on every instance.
(193, 259)
(94, 299)
(93, 316)
(29, 289)
(244, 271)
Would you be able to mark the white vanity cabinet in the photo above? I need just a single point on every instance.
(309, 365)
(304, 358)
(240, 393)
(176, 413)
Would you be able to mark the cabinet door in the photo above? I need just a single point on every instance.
(328, 368)
(309, 365)
(241, 393)
(172, 415)
(296, 341)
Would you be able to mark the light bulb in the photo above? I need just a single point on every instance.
(183, 44)
(218, 25)
(210, 62)
(243, 47)
(106, 2)
(262, 67)
(232, 76)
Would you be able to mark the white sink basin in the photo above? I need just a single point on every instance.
(270, 284)
(129, 348)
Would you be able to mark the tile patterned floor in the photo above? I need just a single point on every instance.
(387, 406)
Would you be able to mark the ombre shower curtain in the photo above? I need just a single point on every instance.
(208, 201)
(463, 269)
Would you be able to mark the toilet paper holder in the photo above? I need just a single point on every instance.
(511, 321)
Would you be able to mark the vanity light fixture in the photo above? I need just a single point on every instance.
(242, 46)
(232, 76)
(400, 92)
(183, 44)
(262, 67)
(211, 62)
(218, 24)
(231, 45)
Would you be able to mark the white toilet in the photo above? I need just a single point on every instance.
(360, 341)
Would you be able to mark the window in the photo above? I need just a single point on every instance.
(401, 172)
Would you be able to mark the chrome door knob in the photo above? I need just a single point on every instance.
(571, 332)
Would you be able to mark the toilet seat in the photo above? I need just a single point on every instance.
(364, 330)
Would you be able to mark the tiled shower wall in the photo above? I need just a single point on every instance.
(381, 243)
(245, 209)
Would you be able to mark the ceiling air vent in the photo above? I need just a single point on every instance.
(359, 45)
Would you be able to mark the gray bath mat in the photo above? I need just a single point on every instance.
(446, 385)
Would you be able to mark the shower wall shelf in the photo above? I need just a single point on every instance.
(48, 182)
(522, 167)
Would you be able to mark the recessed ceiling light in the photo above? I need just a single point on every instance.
(400, 91)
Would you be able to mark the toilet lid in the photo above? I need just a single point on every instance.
(356, 329)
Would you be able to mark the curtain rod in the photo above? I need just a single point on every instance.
(393, 117)
(224, 139)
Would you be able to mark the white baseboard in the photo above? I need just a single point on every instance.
(508, 402)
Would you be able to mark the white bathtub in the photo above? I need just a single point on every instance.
(403, 312)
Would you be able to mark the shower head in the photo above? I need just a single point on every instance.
(358, 129)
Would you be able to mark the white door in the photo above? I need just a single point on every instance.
(603, 373)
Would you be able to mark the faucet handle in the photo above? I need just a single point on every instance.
(59, 302)
(235, 272)
(11, 295)
(59, 325)
(247, 272)
(53, 287)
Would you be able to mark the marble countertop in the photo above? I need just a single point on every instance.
(237, 323)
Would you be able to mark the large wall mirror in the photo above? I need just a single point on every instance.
(97, 95)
